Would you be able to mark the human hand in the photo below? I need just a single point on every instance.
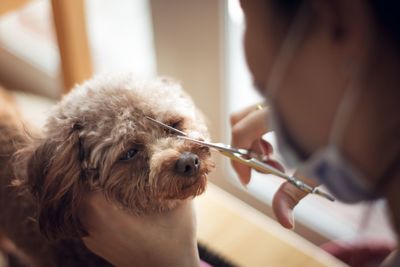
(248, 127)
(286, 198)
(161, 239)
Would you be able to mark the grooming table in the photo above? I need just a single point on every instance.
(246, 237)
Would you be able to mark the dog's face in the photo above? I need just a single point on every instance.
(98, 139)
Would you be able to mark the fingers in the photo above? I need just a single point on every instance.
(243, 171)
(266, 147)
(249, 129)
(239, 115)
(285, 199)
(248, 126)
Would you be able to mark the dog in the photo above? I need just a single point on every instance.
(97, 139)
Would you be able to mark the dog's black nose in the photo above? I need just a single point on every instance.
(188, 164)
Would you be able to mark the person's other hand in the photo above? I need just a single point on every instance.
(161, 239)
(248, 127)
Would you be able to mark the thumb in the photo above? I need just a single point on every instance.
(285, 199)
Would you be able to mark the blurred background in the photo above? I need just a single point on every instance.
(48, 46)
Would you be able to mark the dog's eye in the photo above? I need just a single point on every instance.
(129, 154)
(177, 125)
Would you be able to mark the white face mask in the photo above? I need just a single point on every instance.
(327, 165)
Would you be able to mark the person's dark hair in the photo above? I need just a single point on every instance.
(386, 12)
(387, 15)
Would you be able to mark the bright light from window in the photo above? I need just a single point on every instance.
(235, 12)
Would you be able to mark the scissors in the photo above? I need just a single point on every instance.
(249, 158)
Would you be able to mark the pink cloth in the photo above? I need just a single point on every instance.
(204, 264)
(359, 254)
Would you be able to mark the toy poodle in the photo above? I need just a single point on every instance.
(96, 139)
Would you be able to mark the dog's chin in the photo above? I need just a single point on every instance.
(180, 189)
(193, 187)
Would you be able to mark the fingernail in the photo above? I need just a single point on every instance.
(243, 183)
(291, 220)
(265, 146)
(261, 145)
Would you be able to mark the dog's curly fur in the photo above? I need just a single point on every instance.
(84, 148)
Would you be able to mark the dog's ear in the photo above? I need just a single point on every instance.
(51, 172)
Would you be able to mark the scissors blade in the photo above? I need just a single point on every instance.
(217, 146)
(172, 129)
(241, 155)
(183, 135)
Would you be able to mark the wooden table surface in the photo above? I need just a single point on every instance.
(246, 237)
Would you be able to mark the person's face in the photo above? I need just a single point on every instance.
(313, 85)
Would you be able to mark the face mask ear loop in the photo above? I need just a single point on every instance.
(344, 111)
(286, 53)
(349, 100)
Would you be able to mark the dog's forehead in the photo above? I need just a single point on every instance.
(123, 101)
